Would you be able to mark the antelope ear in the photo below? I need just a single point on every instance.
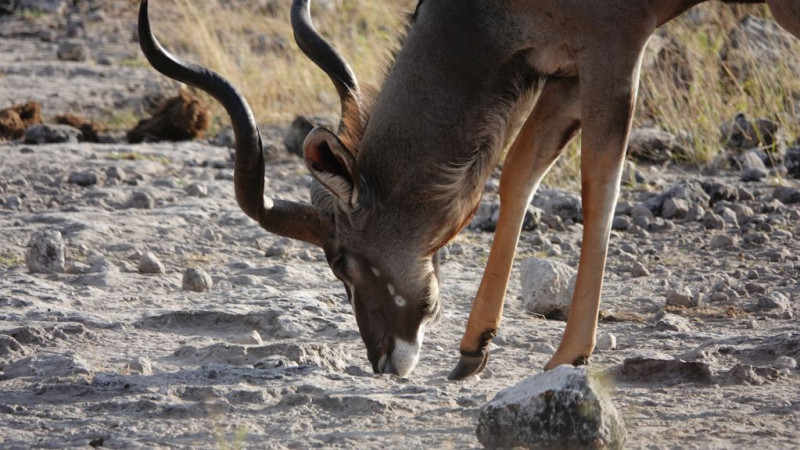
(331, 164)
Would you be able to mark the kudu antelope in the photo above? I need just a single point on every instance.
(406, 169)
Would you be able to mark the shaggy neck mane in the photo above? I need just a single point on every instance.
(458, 184)
(357, 110)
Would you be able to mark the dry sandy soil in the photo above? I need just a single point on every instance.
(74, 347)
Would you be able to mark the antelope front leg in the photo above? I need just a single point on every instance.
(552, 124)
(609, 83)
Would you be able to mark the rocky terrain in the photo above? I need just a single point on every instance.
(140, 308)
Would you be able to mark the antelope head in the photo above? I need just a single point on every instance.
(391, 281)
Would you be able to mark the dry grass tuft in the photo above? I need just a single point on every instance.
(251, 43)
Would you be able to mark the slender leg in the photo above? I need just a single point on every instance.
(553, 122)
(787, 14)
(609, 83)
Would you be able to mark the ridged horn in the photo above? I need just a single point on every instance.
(322, 53)
(288, 219)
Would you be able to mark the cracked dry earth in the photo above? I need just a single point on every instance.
(71, 345)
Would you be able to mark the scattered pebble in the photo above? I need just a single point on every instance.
(197, 190)
(252, 338)
(115, 174)
(83, 179)
(73, 50)
(197, 280)
(675, 208)
(682, 297)
(774, 301)
(141, 365)
(149, 264)
(721, 241)
(547, 287)
(141, 200)
(650, 367)
(639, 270)
(606, 341)
(785, 362)
(52, 134)
(672, 322)
(46, 252)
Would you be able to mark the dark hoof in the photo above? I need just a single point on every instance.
(469, 366)
(581, 361)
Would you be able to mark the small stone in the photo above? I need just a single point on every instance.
(719, 297)
(654, 145)
(774, 301)
(45, 252)
(745, 373)
(553, 221)
(785, 362)
(642, 211)
(777, 255)
(788, 315)
(682, 297)
(620, 223)
(252, 338)
(150, 264)
(83, 179)
(713, 221)
(752, 274)
(695, 214)
(657, 367)
(533, 216)
(197, 190)
(141, 365)
(722, 241)
(673, 322)
(276, 251)
(73, 50)
(141, 200)
(197, 280)
(115, 173)
(547, 287)
(606, 341)
(13, 202)
(77, 268)
(642, 222)
(675, 208)
(754, 288)
(720, 192)
(639, 270)
(561, 408)
(751, 324)
(52, 134)
(758, 238)
(787, 195)
(754, 174)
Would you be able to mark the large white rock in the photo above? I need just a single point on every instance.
(562, 408)
(547, 287)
